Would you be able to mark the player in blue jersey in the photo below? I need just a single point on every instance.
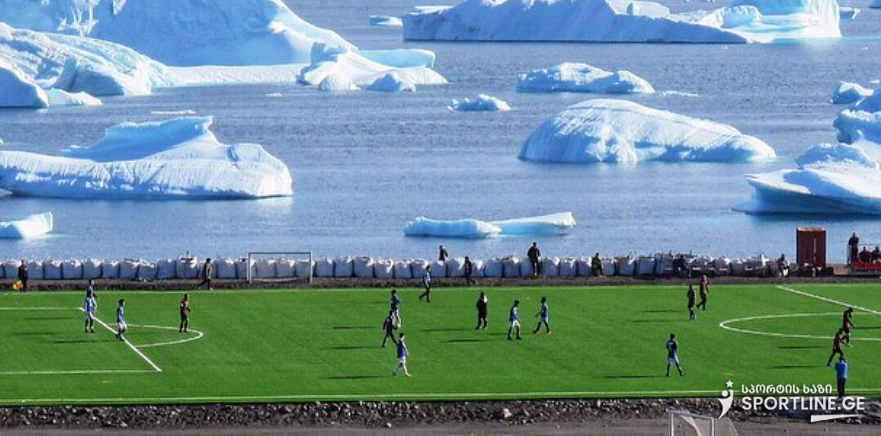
(388, 326)
(514, 320)
(121, 326)
(394, 305)
(402, 353)
(90, 305)
(542, 316)
(673, 355)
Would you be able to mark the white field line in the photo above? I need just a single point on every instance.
(198, 336)
(37, 308)
(725, 325)
(77, 372)
(828, 300)
(130, 345)
(357, 397)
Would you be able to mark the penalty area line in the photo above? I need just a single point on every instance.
(130, 345)
(827, 300)
(77, 372)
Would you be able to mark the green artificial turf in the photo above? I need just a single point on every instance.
(324, 345)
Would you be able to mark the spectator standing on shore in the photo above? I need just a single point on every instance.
(673, 355)
(853, 246)
(596, 265)
(514, 320)
(426, 283)
(206, 274)
(876, 254)
(468, 268)
(482, 311)
(782, 265)
(704, 290)
(841, 376)
(865, 255)
(542, 316)
(23, 276)
(442, 254)
(184, 314)
(680, 267)
(534, 256)
(691, 298)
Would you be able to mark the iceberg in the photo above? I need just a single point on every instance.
(465, 229)
(402, 58)
(337, 83)
(328, 60)
(392, 82)
(546, 225)
(580, 77)
(29, 227)
(17, 90)
(848, 13)
(79, 64)
(181, 32)
(603, 130)
(483, 103)
(384, 21)
(861, 121)
(176, 159)
(58, 97)
(876, 4)
(745, 21)
(849, 93)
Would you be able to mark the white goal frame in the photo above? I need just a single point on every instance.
(674, 413)
(252, 254)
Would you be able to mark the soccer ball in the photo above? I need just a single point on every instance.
(17, 285)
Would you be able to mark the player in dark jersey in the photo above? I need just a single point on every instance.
(482, 311)
(691, 298)
(514, 320)
(673, 355)
(468, 270)
(394, 306)
(388, 326)
(836, 347)
(184, 314)
(847, 324)
(426, 283)
(542, 316)
(704, 287)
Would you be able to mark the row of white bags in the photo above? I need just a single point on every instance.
(381, 268)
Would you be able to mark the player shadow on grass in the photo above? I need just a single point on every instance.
(661, 311)
(630, 377)
(353, 327)
(801, 347)
(448, 329)
(47, 318)
(350, 347)
(81, 341)
(352, 377)
(791, 366)
(470, 341)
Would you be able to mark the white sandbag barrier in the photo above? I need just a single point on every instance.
(366, 267)
(92, 269)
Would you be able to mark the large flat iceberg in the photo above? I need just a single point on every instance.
(744, 21)
(603, 130)
(545, 225)
(830, 178)
(179, 158)
(580, 77)
(80, 64)
(334, 61)
(28, 227)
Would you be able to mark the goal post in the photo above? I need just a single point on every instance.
(684, 423)
(280, 265)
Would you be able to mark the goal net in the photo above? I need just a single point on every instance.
(280, 266)
(683, 423)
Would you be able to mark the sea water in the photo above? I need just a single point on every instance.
(366, 163)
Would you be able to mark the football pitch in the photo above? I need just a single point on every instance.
(324, 345)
